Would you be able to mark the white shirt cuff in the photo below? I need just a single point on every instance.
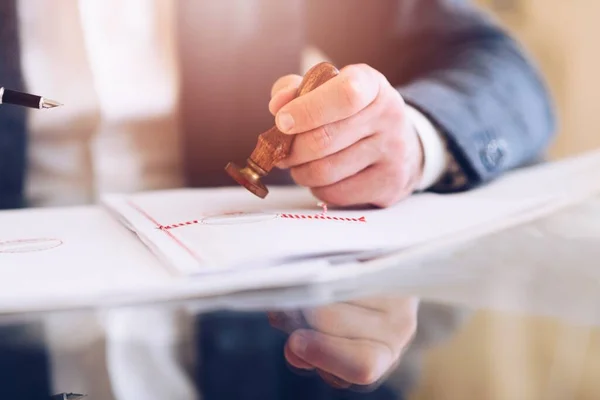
(434, 149)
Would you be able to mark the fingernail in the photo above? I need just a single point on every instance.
(285, 122)
(298, 344)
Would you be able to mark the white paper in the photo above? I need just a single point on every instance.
(201, 231)
(51, 254)
(65, 258)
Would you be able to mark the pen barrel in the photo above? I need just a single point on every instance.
(21, 99)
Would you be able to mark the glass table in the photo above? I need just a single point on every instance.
(513, 315)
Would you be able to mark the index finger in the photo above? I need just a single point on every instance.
(284, 82)
(352, 90)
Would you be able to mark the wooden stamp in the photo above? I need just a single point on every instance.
(273, 145)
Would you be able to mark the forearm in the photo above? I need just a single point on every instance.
(487, 100)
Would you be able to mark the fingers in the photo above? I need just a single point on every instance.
(285, 82)
(360, 362)
(296, 361)
(339, 166)
(347, 321)
(352, 90)
(283, 91)
(353, 143)
(286, 321)
(394, 328)
(379, 185)
(282, 97)
(330, 139)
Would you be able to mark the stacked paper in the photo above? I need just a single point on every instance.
(200, 231)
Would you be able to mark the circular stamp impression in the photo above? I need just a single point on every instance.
(238, 218)
(29, 245)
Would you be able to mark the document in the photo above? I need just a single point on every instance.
(207, 231)
(81, 257)
(56, 255)
(171, 245)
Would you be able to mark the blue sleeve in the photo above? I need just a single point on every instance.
(479, 87)
(454, 63)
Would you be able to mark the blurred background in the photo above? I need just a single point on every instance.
(501, 356)
(504, 356)
(560, 35)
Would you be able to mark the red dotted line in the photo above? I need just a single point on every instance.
(180, 225)
(288, 216)
(322, 217)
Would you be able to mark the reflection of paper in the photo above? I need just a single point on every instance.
(263, 233)
(546, 267)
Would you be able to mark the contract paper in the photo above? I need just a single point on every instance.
(208, 231)
(61, 258)
(81, 257)
(53, 255)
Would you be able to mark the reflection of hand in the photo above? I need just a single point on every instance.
(352, 343)
(354, 143)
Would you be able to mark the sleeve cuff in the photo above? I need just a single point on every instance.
(434, 149)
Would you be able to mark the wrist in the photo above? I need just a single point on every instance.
(433, 149)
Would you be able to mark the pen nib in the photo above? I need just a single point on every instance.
(47, 103)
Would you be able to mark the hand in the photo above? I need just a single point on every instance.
(352, 343)
(354, 144)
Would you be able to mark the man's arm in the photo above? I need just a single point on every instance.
(458, 68)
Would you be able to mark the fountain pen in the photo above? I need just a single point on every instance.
(25, 99)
